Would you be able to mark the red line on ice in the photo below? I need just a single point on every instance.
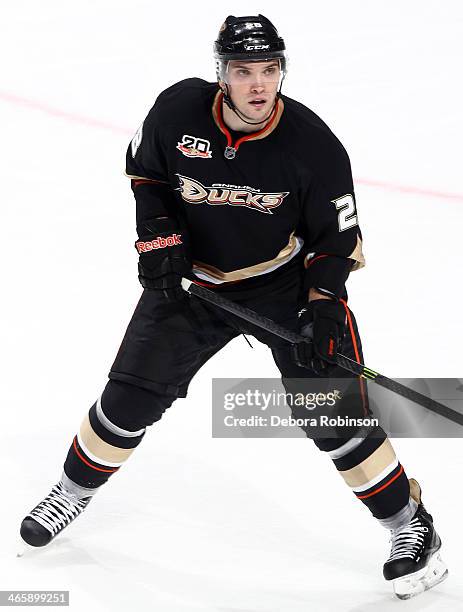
(89, 121)
(410, 189)
(56, 112)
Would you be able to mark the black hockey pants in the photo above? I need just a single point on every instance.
(166, 343)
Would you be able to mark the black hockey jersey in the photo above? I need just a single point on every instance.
(250, 204)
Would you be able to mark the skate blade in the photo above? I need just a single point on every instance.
(408, 586)
(25, 549)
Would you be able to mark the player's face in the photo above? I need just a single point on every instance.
(253, 87)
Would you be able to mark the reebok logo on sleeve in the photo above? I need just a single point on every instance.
(158, 243)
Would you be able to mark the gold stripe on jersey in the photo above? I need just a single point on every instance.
(144, 178)
(371, 467)
(250, 271)
(357, 255)
(102, 451)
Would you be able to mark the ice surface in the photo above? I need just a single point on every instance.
(190, 522)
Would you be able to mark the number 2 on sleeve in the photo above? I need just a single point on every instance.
(347, 217)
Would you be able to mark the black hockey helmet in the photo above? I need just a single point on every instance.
(252, 38)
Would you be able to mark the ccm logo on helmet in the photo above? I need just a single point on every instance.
(257, 47)
(158, 243)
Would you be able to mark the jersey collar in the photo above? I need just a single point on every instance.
(268, 129)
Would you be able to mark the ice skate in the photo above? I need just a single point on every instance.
(415, 564)
(59, 508)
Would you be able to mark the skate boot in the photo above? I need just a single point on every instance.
(59, 508)
(414, 564)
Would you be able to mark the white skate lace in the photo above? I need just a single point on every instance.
(58, 509)
(408, 540)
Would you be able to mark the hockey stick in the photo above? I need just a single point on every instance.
(345, 362)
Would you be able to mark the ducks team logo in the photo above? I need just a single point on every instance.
(195, 147)
(221, 194)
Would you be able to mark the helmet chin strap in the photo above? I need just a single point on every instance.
(229, 102)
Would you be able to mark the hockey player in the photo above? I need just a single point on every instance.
(246, 191)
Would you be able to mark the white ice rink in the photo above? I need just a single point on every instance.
(191, 522)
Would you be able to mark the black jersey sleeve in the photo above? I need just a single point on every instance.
(145, 157)
(147, 168)
(333, 236)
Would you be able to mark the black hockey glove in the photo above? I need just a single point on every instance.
(324, 322)
(163, 247)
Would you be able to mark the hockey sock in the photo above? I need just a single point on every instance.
(369, 466)
(99, 449)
